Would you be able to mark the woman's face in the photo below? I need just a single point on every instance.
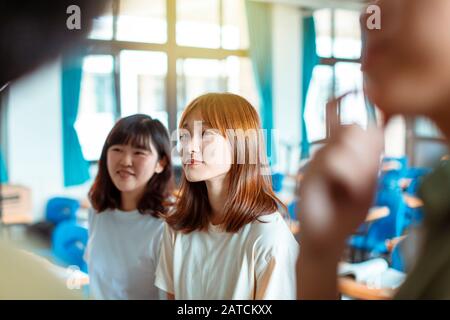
(407, 62)
(131, 168)
(205, 153)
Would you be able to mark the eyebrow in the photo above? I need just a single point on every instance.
(204, 123)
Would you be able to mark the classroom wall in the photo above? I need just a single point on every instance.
(35, 136)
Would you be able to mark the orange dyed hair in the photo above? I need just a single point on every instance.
(251, 194)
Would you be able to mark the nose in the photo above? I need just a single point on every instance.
(192, 142)
(126, 159)
(194, 145)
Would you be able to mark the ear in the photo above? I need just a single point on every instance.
(160, 165)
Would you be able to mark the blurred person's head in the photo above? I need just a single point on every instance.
(33, 32)
(407, 61)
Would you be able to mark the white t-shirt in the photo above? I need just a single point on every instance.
(122, 254)
(258, 262)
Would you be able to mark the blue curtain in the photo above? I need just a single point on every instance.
(310, 60)
(76, 168)
(3, 171)
(260, 35)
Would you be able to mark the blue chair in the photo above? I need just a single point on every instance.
(413, 216)
(277, 182)
(397, 259)
(371, 237)
(69, 241)
(61, 209)
(292, 210)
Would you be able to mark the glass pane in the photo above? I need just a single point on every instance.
(143, 83)
(353, 108)
(102, 27)
(424, 127)
(320, 91)
(96, 111)
(197, 77)
(198, 23)
(347, 43)
(322, 19)
(142, 21)
(240, 79)
(234, 29)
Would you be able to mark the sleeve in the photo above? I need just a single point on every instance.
(276, 275)
(164, 269)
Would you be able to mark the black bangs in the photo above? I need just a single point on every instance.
(134, 131)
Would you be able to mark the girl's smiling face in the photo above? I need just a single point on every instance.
(131, 168)
(206, 153)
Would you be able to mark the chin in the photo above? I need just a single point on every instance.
(194, 177)
(124, 188)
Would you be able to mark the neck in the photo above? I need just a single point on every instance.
(129, 200)
(217, 196)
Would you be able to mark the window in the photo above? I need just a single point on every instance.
(338, 41)
(97, 105)
(143, 82)
(154, 57)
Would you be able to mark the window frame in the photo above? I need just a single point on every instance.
(172, 50)
(331, 116)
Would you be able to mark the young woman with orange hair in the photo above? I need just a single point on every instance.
(225, 239)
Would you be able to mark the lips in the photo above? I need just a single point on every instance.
(124, 173)
(193, 162)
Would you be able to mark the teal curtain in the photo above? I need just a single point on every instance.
(76, 168)
(260, 35)
(3, 171)
(310, 60)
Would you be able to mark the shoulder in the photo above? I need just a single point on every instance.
(272, 237)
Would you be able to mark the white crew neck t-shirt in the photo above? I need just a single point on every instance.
(122, 255)
(258, 262)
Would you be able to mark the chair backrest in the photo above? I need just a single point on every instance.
(61, 209)
(69, 241)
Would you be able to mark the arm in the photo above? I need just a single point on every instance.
(336, 194)
(164, 269)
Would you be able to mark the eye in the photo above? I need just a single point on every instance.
(140, 153)
(116, 149)
(184, 136)
(208, 132)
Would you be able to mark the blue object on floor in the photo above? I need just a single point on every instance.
(60, 209)
(69, 241)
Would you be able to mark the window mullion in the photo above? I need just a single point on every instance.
(171, 78)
